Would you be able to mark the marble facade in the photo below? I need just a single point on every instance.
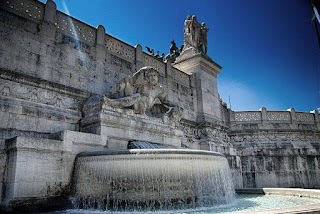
(50, 75)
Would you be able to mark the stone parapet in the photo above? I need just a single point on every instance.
(273, 120)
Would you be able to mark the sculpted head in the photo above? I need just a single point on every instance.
(152, 75)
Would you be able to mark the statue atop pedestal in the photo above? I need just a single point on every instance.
(140, 94)
(195, 35)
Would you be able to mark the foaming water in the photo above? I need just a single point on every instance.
(151, 179)
(243, 203)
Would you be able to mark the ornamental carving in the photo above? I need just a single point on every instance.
(71, 26)
(247, 116)
(120, 48)
(32, 9)
(37, 95)
(279, 116)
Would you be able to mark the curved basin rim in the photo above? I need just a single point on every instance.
(150, 151)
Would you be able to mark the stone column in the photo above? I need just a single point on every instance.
(100, 37)
(293, 118)
(317, 118)
(48, 29)
(264, 116)
(205, 71)
(169, 79)
(101, 54)
(138, 61)
(50, 12)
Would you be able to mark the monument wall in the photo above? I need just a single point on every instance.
(277, 148)
(51, 63)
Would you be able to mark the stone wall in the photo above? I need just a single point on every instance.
(42, 168)
(64, 50)
(277, 148)
(51, 63)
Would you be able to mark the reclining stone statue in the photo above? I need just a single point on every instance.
(142, 92)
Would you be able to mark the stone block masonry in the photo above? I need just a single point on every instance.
(51, 63)
(277, 148)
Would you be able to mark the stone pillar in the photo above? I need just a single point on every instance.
(293, 117)
(232, 116)
(169, 79)
(317, 118)
(50, 12)
(138, 62)
(205, 71)
(101, 54)
(100, 37)
(48, 29)
(264, 116)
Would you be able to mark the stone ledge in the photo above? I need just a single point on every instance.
(41, 83)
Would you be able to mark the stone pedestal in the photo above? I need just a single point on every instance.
(205, 71)
(120, 126)
(38, 171)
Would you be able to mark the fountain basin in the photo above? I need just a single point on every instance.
(151, 179)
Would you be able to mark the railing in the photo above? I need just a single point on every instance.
(279, 116)
(272, 117)
(120, 48)
(305, 117)
(247, 116)
(33, 10)
(71, 26)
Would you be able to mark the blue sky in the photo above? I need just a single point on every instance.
(268, 48)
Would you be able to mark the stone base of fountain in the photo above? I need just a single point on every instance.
(119, 126)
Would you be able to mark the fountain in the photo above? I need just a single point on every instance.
(151, 179)
(159, 177)
(66, 92)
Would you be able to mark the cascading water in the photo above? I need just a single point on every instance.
(151, 179)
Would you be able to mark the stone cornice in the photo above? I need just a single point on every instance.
(189, 63)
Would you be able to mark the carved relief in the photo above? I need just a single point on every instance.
(217, 135)
(143, 94)
(38, 95)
